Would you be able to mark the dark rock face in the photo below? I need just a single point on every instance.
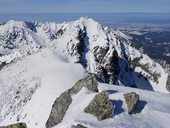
(100, 106)
(31, 26)
(78, 126)
(78, 50)
(59, 109)
(18, 125)
(113, 69)
(89, 82)
(101, 53)
(131, 101)
(107, 66)
(2, 65)
(10, 38)
(168, 83)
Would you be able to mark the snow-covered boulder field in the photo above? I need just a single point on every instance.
(40, 61)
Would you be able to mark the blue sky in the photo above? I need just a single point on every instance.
(38, 6)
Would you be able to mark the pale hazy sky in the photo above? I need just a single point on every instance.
(30, 6)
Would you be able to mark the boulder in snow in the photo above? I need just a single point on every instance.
(131, 101)
(18, 125)
(100, 106)
(59, 109)
(78, 126)
(89, 82)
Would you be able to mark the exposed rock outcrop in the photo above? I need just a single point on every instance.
(100, 106)
(168, 83)
(78, 126)
(63, 102)
(131, 101)
(18, 125)
(89, 82)
(59, 109)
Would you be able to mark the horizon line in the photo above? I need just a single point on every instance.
(82, 12)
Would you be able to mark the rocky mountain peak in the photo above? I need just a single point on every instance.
(103, 51)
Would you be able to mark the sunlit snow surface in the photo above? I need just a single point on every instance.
(152, 110)
(47, 72)
(31, 83)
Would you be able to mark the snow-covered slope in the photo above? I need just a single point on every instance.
(152, 110)
(39, 61)
(106, 52)
(30, 86)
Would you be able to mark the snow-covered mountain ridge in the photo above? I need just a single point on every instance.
(39, 61)
(102, 51)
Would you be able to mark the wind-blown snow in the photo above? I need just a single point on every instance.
(54, 75)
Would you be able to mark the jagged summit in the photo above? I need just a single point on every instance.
(100, 50)
(86, 19)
